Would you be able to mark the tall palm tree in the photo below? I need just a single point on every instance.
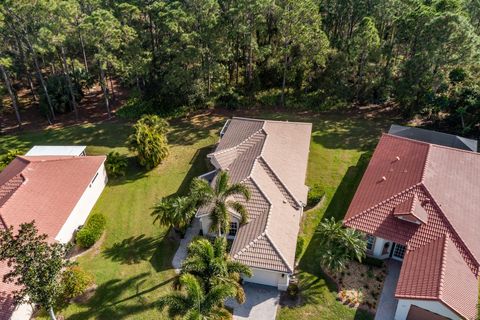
(174, 212)
(211, 263)
(338, 245)
(194, 303)
(218, 198)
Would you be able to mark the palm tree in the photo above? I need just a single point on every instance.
(174, 212)
(338, 245)
(211, 263)
(219, 200)
(194, 303)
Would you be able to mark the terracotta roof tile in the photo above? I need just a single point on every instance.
(434, 181)
(268, 240)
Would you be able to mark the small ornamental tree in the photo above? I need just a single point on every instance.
(338, 245)
(35, 265)
(174, 212)
(149, 140)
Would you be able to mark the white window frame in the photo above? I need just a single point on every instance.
(371, 239)
(399, 248)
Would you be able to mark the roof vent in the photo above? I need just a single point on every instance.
(384, 178)
(398, 158)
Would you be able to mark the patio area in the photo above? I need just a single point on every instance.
(388, 304)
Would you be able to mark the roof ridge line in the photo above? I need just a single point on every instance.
(236, 146)
(382, 203)
(278, 251)
(453, 231)
(443, 266)
(280, 180)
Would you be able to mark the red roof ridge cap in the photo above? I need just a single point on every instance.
(424, 169)
(444, 265)
(454, 236)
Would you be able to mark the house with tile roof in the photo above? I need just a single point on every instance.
(270, 158)
(418, 203)
(58, 192)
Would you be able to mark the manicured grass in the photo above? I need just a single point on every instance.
(132, 267)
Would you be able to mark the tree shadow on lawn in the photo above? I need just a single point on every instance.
(187, 131)
(140, 248)
(134, 172)
(108, 304)
(199, 165)
(311, 275)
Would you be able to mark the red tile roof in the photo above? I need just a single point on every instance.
(44, 189)
(440, 184)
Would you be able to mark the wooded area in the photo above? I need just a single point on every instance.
(310, 54)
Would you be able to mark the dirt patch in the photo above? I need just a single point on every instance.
(360, 285)
(78, 251)
(90, 110)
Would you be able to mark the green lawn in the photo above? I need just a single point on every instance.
(132, 267)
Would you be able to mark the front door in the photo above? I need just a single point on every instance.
(398, 252)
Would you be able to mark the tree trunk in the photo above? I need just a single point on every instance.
(52, 314)
(40, 79)
(25, 67)
(111, 84)
(12, 96)
(69, 82)
(104, 89)
(85, 62)
(284, 77)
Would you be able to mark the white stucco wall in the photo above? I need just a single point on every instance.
(403, 307)
(378, 248)
(22, 312)
(83, 207)
(269, 278)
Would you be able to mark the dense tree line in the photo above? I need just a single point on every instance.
(319, 54)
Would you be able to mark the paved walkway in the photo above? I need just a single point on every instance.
(181, 253)
(388, 304)
(262, 303)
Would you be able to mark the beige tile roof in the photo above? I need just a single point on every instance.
(253, 152)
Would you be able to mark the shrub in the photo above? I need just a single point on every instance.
(8, 157)
(75, 282)
(134, 108)
(116, 164)
(293, 290)
(315, 194)
(229, 99)
(149, 140)
(91, 231)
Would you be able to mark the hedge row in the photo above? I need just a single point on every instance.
(91, 231)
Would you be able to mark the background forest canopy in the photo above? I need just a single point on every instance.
(310, 54)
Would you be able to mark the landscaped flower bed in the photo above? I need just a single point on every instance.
(360, 285)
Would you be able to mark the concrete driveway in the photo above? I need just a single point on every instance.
(388, 304)
(262, 303)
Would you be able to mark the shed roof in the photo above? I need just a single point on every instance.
(56, 151)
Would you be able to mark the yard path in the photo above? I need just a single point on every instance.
(181, 253)
(388, 304)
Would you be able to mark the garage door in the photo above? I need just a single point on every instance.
(264, 277)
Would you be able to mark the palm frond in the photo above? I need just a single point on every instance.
(238, 189)
(240, 209)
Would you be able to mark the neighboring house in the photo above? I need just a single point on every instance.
(419, 203)
(58, 192)
(434, 137)
(270, 158)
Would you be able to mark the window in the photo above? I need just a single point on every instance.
(399, 251)
(370, 242)
(233, 229)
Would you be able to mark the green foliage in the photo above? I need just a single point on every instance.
(75, 282)
(211, 263)
(176, 212)
(299, 248)
(8, 157)
(338, 245)
(315, 195)
(216, 200)
(193, 302)
(149, 140)
(35, 265)
(116, 164)
(91, 231)
(134, 108)
(58, 90)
